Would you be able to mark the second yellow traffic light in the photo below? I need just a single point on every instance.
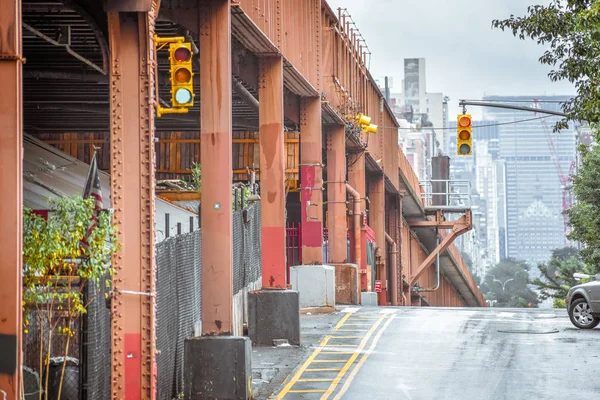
(182, 82)
(464, 135)
(365, 123)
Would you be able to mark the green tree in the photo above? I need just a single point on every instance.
(557, 274)
(57, 269)
(507, 283)
(570, 32)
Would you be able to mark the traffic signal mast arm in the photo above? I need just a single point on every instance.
(464, 103)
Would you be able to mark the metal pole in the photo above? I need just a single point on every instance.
(11, 206)
(311, 178)
(272, 172)
(132, 193)
(510, 107)
(336, 194)
(216, 126)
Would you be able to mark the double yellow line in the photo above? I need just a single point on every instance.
(342, 372)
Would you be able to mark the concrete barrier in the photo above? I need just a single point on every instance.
(346, 284)
(316, 285)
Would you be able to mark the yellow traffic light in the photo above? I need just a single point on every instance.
(182, 83)
(363, 120)
(464, 135)
(371, 128)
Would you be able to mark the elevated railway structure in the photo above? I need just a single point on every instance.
(278, 85)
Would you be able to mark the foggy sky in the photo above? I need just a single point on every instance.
(463, 60)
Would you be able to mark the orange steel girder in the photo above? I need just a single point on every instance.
(458, 227)
(11, 205)
(311, 178)
(215, 153)
(356, 179)
(272, 166)
(132, 193)
(377, 223)
(336, 193)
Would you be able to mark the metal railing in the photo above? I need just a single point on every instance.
(446, 194)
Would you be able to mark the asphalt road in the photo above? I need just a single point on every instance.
(463, 354)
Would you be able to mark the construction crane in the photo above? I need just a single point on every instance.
(565, 180)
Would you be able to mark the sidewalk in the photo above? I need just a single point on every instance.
(272, 365)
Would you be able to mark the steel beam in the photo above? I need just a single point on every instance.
(272, 165)
(132, 194)
(356, 179)
(377, 223)
(336, 194)
(460, 226)
(311, 180)
(11, 206)
(216, 158)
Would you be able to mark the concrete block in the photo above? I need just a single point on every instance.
(368, 299)
(346, 284)
(273, 315)
(218, 367)
(315, 283)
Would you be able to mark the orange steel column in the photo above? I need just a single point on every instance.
(311, 180)
(216, 158)
(377, 223)
(356, 179)
(272, 172)
(11, 205)
(336, 194)
(132, 194)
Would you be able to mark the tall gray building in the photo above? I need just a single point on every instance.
(534, 156)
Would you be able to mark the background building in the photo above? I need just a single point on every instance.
(535, 157)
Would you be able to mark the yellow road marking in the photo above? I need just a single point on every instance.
(304, 366)
(337, 352)
(346, 366)
(362, 360)
(353, 330)
(346, 337)
(315, 380)
(330, 361)
(321, 369)
(307, 391)
(339, 324)
(357, 325)
(341, 345)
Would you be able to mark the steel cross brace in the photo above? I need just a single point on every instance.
(460, 226)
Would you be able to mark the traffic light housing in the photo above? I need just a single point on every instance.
(182, 82)
(464, 135)
(365, 123)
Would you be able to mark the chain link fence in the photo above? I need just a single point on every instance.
(178, 316)
(179, 284)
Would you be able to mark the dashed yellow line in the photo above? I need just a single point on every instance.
(307, 391)
(346, 366)
(362, 360)
(339, 324)
(304, 366)
(346, 337)
(325, 343)
(321, 370)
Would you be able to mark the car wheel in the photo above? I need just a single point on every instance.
(581, 315)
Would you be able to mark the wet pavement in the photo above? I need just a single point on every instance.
(435, 353)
